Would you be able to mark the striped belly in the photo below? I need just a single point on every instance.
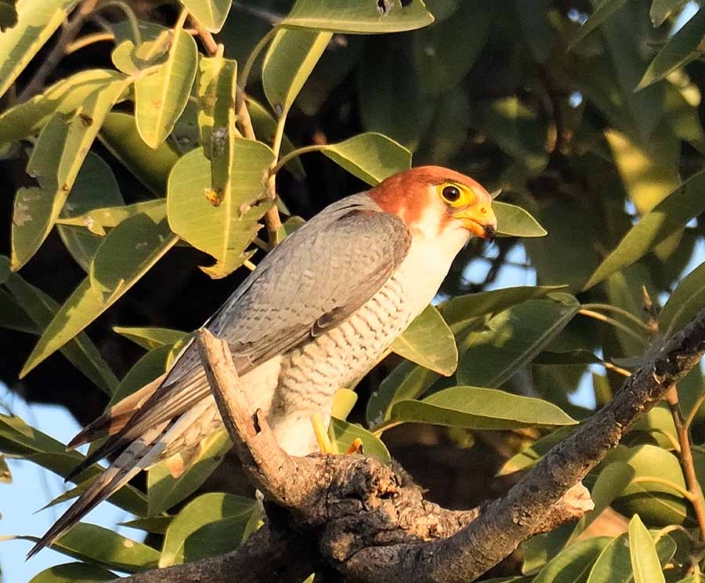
(312, 373)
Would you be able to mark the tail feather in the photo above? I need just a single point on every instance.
(141, 453)
(115, 418)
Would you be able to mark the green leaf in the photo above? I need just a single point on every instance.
(37, 21)
(656, 502)
(151, 338)
(127, 253)
(55, 162)
(668, 217)
(222, 515)
(89, 542)
(210, 13)
(610, 483)
(224, 231)
(476, 408)
(80, 351)
(614, 563)
(343, 434)
(470, 306)
(161, 94)
(164, 491)
(358, 17)
(370, 156)
(429, 341)
(19, 439)
(73, 573)
(151, 167)
(514, 221)
(406, 381)
(645, 561)
(568, 358)
(291, 57)
(662, 9)
(682, 48)
(95, 186)
(684, 303)
(603, 10)
(573, 563)
(155, 524)
(65, 96)
(97, 220)
(511, 339)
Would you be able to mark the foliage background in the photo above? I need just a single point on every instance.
(586, 115)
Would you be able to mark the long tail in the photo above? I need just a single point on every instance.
(141, 453)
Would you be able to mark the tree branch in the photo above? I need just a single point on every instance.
(371, 523)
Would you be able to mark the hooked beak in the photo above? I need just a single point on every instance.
(480, 222)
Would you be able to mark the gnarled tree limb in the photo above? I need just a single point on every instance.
(371, 522)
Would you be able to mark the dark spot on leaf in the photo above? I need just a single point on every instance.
(86, 119)
(383, 6)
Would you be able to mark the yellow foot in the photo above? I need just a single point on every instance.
(319, 429)
(355, 447)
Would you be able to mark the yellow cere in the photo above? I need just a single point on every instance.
(456, 195)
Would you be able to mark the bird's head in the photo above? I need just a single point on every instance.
(434, 201)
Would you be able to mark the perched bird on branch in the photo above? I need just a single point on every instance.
(316, 315)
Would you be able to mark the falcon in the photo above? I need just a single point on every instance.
(317, 314)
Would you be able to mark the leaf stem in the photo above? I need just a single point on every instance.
(664, 482)
(617, 324)
(284, 160)
(384, 426)
(130, 15)
(694, 411)
(88, 40)
(617, 310)
(685, 457)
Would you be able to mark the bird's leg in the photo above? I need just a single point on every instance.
(321, 432)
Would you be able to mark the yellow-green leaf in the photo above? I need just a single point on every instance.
(73, 573)
(514, 221)
(645, 561)
(291, 57)
(210, 13)
(359, 17)
(161, 93)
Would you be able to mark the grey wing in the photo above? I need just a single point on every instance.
(313, 281)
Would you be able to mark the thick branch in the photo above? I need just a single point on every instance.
(371, 522)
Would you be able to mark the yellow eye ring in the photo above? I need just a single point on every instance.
(455, 195)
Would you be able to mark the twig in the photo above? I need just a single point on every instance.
(612, 322)
(685, 457)
(68, 34)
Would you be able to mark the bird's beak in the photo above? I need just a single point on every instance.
(481, 221)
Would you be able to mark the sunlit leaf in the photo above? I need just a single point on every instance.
(662, 9)
(476, 408)
(150, 338)
(655, 227)
(491, 355)
(429, 341)
(55, 162)
(645, 561)
(100, 219)
(37, 21)
(291, 57)
(343, 434)
(210, 525)
(684, 46)
(573, 563)
(164, 490)
(371, 157)
(358, 17)
(224, 231)
(514, 221)
(684, 303)
(116, 268)
(161, 94)
(210, 13)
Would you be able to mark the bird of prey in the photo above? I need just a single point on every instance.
(316, 315)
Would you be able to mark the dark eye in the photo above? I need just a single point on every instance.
(451, 194)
